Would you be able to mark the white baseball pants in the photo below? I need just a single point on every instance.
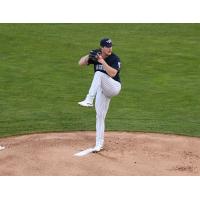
(103, 87)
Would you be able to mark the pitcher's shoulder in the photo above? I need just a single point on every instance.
(114, 56)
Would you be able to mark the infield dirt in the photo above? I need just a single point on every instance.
(129, 154)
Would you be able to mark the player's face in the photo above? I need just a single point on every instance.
(107, 50)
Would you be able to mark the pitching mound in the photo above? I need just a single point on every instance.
(124, 154)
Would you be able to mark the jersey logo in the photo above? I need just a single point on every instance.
(99, 67)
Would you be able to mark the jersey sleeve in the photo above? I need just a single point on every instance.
(116, 64)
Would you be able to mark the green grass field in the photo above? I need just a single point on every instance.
(41, 82)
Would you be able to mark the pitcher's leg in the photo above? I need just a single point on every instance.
(96, 82)
(109, 86)
(101, 105)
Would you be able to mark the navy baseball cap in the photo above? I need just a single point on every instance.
(106, 42)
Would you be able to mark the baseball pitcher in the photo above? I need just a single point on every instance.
(106, 84)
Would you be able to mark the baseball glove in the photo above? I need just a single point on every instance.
(93, 55)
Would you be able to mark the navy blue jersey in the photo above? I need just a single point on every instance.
(113, 61)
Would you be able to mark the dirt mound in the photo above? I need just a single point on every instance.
(124, 154)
